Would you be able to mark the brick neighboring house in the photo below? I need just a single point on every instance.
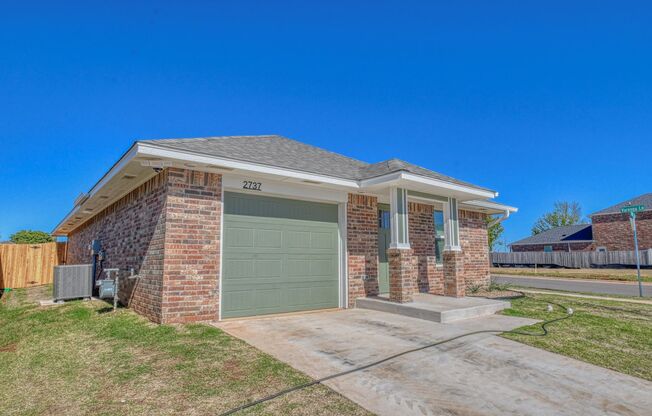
(610, 230)
(568, 238)
(225, 227)
(613, 232)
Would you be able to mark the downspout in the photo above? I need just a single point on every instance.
(502, 218)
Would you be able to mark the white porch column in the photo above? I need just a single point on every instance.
(451, 226)
(399, 223)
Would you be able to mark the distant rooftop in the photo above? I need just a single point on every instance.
(645, 199)
(566, 234)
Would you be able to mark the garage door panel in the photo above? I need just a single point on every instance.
(322, 241)
(240, 237)
(285, 262)
(268, 239)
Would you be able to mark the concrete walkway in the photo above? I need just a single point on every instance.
(575, 285)
(477, 375)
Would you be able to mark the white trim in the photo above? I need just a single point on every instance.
(221, 299)
(398, 241)
(233, 182)
(449, 229)
(343, 254)
(491, 205)
(410, 177)
(117, 167)
(151, 150)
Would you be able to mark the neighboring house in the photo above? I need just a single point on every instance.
(569, 238)
(612, 230)
(224, 227)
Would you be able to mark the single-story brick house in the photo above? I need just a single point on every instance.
(568, 238)
(610, 230)
(224, 227)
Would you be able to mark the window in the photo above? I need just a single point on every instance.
(439, 236)
(383, 218)
(547, 249)
(601, 249)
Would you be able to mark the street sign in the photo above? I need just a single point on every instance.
(632, 208)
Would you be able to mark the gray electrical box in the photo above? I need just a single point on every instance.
(73, 282)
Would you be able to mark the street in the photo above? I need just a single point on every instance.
(575, 285)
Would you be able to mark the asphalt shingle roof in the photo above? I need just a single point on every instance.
(286, 153)
(568, 233)
(645, 199)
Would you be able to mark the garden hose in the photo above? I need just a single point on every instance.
(544, 332)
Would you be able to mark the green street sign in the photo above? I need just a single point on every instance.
(632, 208)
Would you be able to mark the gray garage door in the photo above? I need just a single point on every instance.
(280, 255)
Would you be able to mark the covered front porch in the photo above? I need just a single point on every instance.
(421, 247)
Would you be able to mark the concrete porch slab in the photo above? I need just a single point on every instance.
(443, 309)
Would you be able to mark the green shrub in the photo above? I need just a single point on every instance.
(31, 237)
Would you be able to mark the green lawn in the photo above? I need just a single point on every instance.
(611, 334)
(82, 358)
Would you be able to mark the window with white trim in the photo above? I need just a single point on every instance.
(439, 235)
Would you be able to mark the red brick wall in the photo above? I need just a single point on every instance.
(555, 247)
(475, 248)
(403, 269)
(132, 232)
(430, 278)
(362, 246)
(168, 231)
(192, 246)
(614, 231)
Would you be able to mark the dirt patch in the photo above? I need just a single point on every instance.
(9, 348)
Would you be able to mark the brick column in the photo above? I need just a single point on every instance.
(454, 283)
(403, 268)
(192, 247)
(362, 246)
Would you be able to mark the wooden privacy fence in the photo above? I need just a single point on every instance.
(26, 265)
(573, 259)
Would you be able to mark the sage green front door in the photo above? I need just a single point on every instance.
(384, 238)
(279, 255)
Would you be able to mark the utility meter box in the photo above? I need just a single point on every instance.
(107, 288)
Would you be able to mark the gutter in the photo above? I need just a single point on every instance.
(500, 219)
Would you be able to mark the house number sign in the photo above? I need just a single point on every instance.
(252, 186)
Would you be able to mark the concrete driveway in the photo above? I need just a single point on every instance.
(477, 375)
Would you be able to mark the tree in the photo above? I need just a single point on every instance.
(563, 213)
(494, 232)
(30, 237)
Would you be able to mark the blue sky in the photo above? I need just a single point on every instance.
(542, 102)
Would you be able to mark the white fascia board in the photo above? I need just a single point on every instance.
(491, 205)
(406, 177)
(448, 185)
(154, 151)
(117, 167)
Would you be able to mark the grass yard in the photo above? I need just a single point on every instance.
(81, 358)
(627, 275)
(611, 334)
